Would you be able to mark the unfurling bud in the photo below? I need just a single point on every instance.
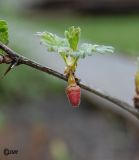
(136, 98)
(73, 92)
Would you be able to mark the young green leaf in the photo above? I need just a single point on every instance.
(73, 36)
(3, 32)
(52, 41)
(89, 49)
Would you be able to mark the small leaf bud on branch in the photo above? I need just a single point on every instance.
(70, 51)
(136, 98)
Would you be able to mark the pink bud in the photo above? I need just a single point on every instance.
(74, 93)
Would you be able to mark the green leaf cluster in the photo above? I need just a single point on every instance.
(69, 45)
(73, 36)
(52, 41)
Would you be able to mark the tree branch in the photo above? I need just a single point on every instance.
(23, 60)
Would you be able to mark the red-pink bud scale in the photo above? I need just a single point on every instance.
(73, 92)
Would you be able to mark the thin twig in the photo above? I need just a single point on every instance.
(23, 60)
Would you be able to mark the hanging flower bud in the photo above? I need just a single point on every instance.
(73, 92)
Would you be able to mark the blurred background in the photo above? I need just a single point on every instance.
(35, 116)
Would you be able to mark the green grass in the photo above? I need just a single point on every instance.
(23, 82)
